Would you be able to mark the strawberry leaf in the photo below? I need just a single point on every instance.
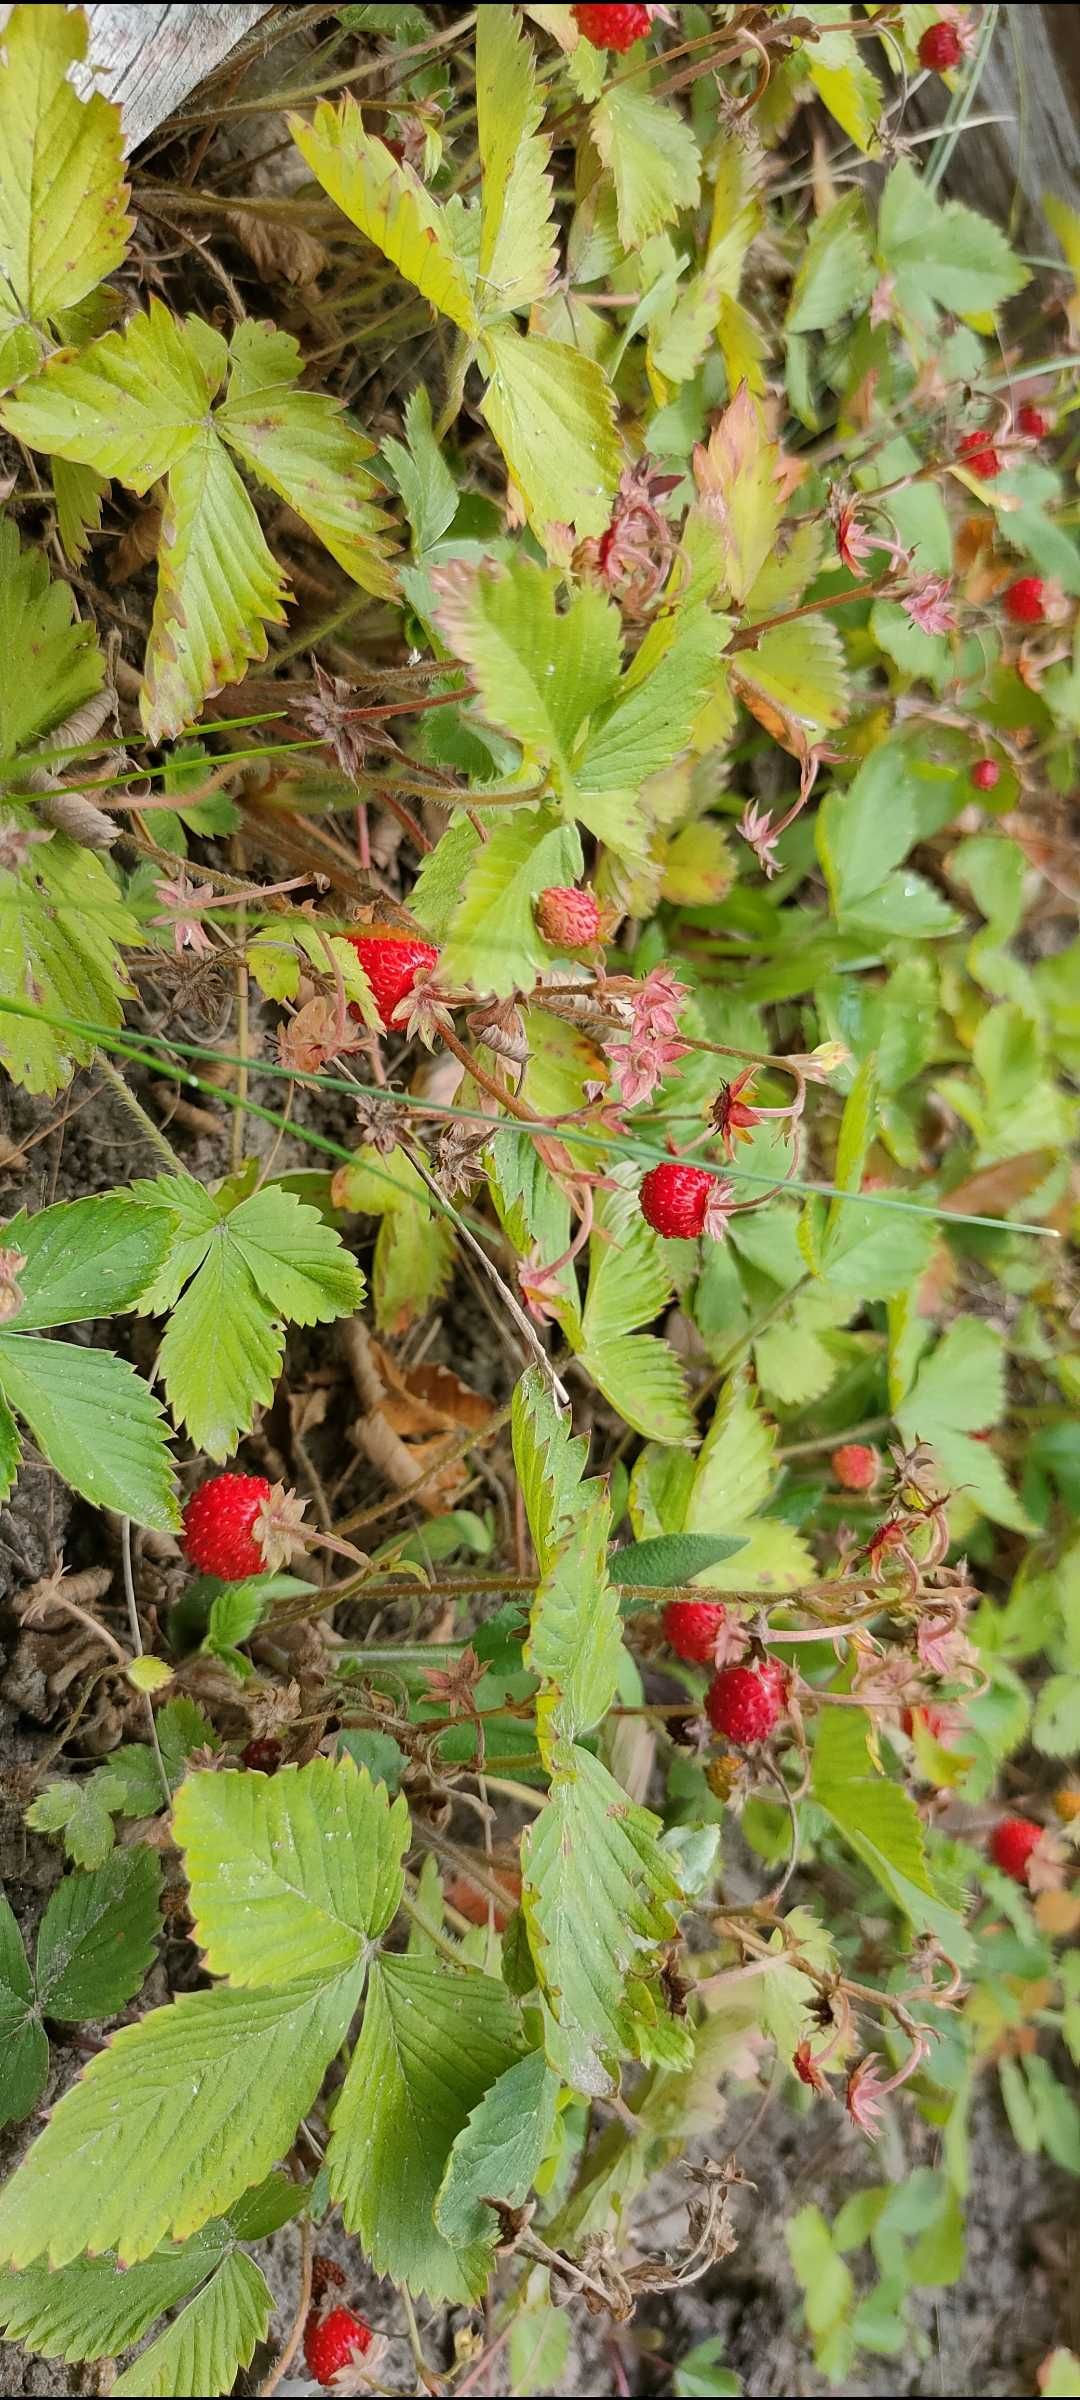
(84, 1258)
(552, 412)
(518, 242)
(498, 2152)
(62, 190)
(96, 1939)
(89, 2309)
(49, 664)
(652, 157)
(174, 2120)
(201, 2353)
(137, 405)
(249, 1268)
(292, 1874)
(388, 203)
(24, 2051)
(600, 1899)
(97, 1424)
(431, 2045)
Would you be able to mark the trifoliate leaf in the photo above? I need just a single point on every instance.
(81, 1813)
(493, 942)
(652, 157)
(132, 404)
(202, 2351)
(62, 190)
(498, 2153)
(96, 1939)
(941, 254)
(49, 664)
(291, 1874)
(600, 1899)
(97, 1424)
(249, 1269)
(137, 405)
(518, 243)
(174, 2120)
(24, 2051)
(432, 2043)
(552, 412)
(389, 204)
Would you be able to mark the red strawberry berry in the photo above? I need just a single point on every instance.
(1011, 1845)
(219, 1526)
(391, 963)
(1030, 420)
(940, 47)
(980, 455)
(675, 1199)
(985, 774)
(333, 2342)
(613, 28)
(567, 918)
(745, 1702)
(856, 1466)
(1025, 601)
(691, 1628)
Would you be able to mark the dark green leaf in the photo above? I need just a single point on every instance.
(96, 1940)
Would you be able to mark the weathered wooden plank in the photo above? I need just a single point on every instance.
(150, 58)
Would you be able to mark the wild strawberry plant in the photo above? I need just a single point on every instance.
(627, 896)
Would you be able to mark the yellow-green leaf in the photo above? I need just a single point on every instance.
(740, 493)
(388, 203)
(552, 412)
(518, 243)
(62, 189)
